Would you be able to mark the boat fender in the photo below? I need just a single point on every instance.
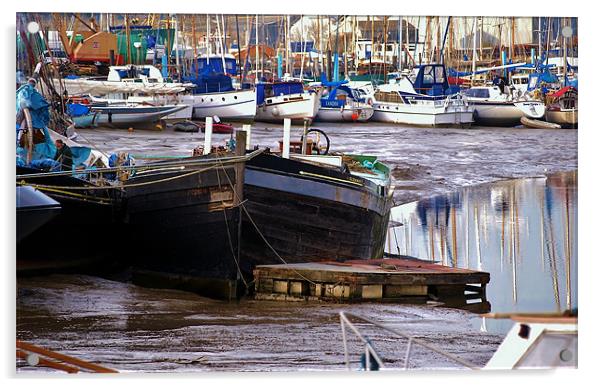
(275, 111)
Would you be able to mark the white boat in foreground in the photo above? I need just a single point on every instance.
(426, 101)
(536, 341)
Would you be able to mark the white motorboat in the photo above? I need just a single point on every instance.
(426, 101)
(279, 100)
(537, 341)
(563, 108)
(496, 108)
(214, 93)
(230, 105)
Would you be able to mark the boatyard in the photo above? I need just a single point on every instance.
(295, 192)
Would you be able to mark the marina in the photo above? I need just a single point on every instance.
(235, 192)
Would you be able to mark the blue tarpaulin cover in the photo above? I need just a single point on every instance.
(43, 153)
(28, 97)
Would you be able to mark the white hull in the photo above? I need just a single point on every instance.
(231, 105)
(297, 107)
(506, 113)
(184, 114)
(127, 115)
(565, 118)
(363, 112)
(429, 113)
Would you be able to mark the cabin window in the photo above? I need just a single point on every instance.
(388, 97)
(439, 75)
(478, 93)
(428, 77)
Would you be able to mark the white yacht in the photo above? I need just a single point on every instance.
(427, 100)
(279, 100)
(214, 93)
(495, 107)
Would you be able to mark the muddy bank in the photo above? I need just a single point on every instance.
(134, 329)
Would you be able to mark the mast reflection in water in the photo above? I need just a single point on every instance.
(523, 232)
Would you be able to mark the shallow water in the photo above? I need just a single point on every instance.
(133, 329)
(523, 232)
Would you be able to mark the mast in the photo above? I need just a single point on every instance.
(427, 46)
(287, 39)
(407, 46)
(238, 45)
(538, 39)
(208, 44)
(194, 40)
(302, 50)
(385, 22)
(345, 45)
(127, 38)
(177, 49)
(564, 63)
(221, 47)
(474, 51)
(399, 43)
(512, 24)
(256, 49)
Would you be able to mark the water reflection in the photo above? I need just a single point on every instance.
(523, 232)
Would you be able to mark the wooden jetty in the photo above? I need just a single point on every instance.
(378, 280)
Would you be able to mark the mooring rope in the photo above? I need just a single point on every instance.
(242, 205)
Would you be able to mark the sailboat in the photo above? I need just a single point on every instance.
(343, 104)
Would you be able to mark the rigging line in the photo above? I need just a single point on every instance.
(119, 186)
(262, 236)
(92, 144)
(145, 167)
(72, 194)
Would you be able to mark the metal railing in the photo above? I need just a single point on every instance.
(370, 352)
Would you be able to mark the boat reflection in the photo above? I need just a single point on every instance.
(523, 232)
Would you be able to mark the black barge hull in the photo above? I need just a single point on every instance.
(309, 213)
(184, 228)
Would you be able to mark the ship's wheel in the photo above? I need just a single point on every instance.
(320, 143)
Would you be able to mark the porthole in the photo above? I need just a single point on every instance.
(211, 99)
(223, 98)
(235, 97)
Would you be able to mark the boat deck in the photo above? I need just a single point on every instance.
(379, 280)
